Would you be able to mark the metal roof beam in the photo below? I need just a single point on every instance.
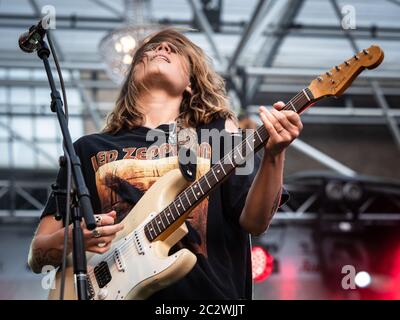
(262, 15)
(15, 135)
(272, 43)
(312, 72)
(379, 96)
(206, 26)
(87, 101)
(322, 158)
(109, 8)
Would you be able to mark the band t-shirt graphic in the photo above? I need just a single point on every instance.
(119, 169)
(121, 183)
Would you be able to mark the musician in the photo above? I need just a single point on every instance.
(171, 78)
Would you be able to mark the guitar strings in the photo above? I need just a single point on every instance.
(129, 245)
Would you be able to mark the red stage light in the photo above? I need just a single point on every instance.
(262, 263)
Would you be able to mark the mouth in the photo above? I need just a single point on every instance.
(161, 56)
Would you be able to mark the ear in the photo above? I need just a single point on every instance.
(189, 88)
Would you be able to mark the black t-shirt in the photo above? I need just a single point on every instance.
(119, 168)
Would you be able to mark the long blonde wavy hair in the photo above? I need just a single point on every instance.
(207, 101)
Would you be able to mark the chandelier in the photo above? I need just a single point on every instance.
(117, 47)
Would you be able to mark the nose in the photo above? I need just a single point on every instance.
(163, 46)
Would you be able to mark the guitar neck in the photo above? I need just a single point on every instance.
(197, 191)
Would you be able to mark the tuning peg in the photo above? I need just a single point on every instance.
(319, 79)
(346, 63)
(365, 51)
(332, 81)
(329, 74)
(337, 68)
(356, 57)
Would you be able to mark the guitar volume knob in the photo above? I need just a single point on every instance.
(103, 293)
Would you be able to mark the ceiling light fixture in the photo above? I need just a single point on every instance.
(118, 46)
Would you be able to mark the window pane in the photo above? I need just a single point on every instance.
(26, 109)
(4, 154)
(4, 134)
(74, 98)
(19, 74)
(23, 155)
(50, 160)
(42, 96)
(3, 95)
(23, 126)
(76, 128)
(3, 73)
(45, 128)
(39, 74)
(20, 95)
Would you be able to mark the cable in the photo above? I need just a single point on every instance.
(66, 225)
(60, 76)
(68, 164)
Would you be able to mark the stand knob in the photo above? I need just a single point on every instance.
(102, 294)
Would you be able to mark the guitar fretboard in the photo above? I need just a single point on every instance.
(198, 190)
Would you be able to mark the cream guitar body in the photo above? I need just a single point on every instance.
(136, 267)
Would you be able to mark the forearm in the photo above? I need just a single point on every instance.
(46, 249)
(264, 195)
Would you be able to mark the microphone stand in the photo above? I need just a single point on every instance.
(80, 199)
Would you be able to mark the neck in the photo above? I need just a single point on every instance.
(159, 107)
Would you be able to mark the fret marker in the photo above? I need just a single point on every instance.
(218, 171)
(198, 193)
(179, 205)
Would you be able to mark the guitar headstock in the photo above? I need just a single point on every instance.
(338, 79)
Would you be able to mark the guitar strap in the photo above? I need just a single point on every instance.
(186, 143)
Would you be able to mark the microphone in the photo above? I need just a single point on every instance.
(29, 41)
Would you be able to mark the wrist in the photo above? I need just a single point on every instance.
(275, 160)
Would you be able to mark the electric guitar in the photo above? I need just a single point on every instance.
(138, 263)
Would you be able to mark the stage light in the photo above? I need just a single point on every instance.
(334, 190)
(362, 279)
(345, 226)
(262, 263)
(352, 191)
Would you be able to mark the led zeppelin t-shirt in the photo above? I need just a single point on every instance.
(120, 168)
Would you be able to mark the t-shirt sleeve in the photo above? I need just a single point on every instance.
(61, 180)
(51, 204)
(236, 188)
